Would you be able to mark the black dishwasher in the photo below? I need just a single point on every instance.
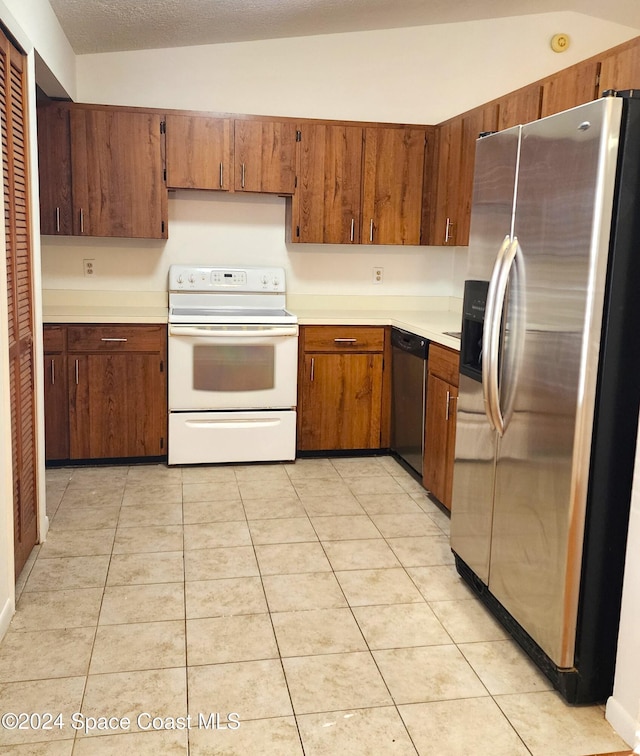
(408, 397)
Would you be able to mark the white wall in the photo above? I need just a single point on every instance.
(37, 24)
(623, 708)
(420, 75)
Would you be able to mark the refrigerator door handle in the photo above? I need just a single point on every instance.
(491, 339)
(491, 387)
(515, 334)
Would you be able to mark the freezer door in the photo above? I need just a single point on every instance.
(474, 467)
(562, 224)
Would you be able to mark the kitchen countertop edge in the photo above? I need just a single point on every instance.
(429, 324)
(431, 321)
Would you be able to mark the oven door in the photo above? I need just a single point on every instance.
(232, 367)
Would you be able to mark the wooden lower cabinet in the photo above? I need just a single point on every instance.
(341, 388)
(116, 398)
(56, 394)
(440, 423)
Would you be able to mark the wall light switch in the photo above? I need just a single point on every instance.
(378, 275)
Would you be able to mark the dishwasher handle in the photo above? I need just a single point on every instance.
(409, 342)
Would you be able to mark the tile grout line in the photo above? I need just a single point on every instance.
(273, 630)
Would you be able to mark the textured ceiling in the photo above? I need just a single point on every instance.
(110, 25)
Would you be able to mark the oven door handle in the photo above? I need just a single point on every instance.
(233, 332)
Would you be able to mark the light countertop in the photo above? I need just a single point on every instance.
(426, 316)
(75, 306)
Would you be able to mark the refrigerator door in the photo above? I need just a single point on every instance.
(473, 474)
(562, 224)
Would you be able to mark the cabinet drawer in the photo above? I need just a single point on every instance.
(116, 338)
(444, 363)
(53, 339)
(343, 339)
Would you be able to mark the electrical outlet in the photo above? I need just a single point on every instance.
(378, 275)
(89, 267)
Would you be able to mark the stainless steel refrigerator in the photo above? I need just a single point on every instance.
(550, 385)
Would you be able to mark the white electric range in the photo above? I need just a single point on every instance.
(233, 354)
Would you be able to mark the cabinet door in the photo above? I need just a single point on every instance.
(439, 438)
(117, 405)
(326, 204)
(521, 106)
(476, 122)
(56, 397)
(54, 169)
(620, 69)
(341, 398)
(393, 175)
(198, 152)
(117, 174)
(448, 167)
(265, 156)
(570, 87)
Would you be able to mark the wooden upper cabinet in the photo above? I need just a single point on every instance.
(326, 204)
(198, 150)
(570, 87)
(54, 167)
(620, 68)
(393, 175)
(481, 120)
(521, 106)
(117, 173)
(265, 156)
(445, 214)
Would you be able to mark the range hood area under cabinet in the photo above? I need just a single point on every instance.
(105, 171)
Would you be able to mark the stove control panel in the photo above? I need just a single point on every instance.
(199, 278)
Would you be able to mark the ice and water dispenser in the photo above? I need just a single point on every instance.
(473, 307)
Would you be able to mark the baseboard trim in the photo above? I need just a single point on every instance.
(5, 616)
(622, 722)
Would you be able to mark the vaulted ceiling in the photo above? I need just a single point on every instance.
(110, 25)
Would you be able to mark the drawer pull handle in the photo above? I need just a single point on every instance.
(81, 221)
(371, 230)
(313, 368)
(112, 339)
(77, 371)
(53, 372)
(353, 230)
(221, 175)
(242, 171)
(345, 341)
(57, 220)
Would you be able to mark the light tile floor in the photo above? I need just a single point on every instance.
(317, 600)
